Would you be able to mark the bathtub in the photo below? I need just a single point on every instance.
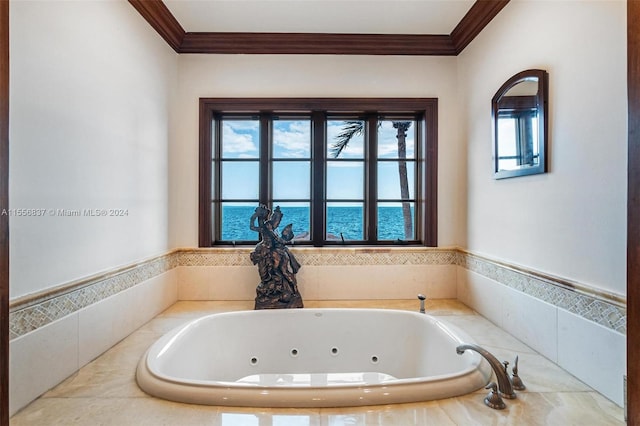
(311, 358)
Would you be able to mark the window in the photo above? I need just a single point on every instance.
(518, 129)
(342, 171)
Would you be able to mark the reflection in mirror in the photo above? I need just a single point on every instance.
(519, 125)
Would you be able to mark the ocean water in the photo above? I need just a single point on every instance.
(347, 221)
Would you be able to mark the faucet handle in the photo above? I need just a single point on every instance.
(515, 379)
(494, 400)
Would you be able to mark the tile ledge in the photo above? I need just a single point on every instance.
(322, 250)
(569, 285)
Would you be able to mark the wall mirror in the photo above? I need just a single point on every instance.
(519, 117)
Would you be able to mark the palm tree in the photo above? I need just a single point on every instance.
(355, 128)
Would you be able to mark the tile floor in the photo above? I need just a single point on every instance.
(104, 392)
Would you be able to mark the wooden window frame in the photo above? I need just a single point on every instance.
(316, 109)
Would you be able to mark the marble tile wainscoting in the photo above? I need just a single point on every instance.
(104, 392)
(581, 330)
(57, 332)
(54, 334)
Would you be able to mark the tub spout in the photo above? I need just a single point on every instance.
(504, 383)
(422, 298)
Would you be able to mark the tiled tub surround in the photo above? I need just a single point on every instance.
(584, 334)
(34, 311)
(72, 335)
(326, 274)
(78, 321)
(105, 392)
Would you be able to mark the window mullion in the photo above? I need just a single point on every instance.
(216, 162)
(205, 208)
(318, 180)
(371, 178)
(264, 191)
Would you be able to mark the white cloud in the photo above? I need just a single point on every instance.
(236, 140)
(292, 139)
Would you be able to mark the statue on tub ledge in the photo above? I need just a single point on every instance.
(277, 266)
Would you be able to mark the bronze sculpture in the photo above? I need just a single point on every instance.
(277, 266)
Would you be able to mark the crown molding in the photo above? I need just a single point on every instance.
(318, 44)
(156, 13)
(478, 17)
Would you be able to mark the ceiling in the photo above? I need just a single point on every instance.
(348, 27)
(320, 16)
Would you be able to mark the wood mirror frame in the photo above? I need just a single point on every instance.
(519, 115)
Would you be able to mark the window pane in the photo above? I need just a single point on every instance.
(396, 139)
(396, 221)
(291, 139)
(213, 136)
(235, 222)
(298, 215)
(393, 177)
(516, 132)
(214, 224)
(213, 179)
(292, 180)
(345, 180)
(507, 149)
(345, 220)
(534, 136)
(240, 180)
(240, 138)
(348, 134)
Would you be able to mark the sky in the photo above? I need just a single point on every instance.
(292, 179)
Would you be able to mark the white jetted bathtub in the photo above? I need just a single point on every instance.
(311, 358)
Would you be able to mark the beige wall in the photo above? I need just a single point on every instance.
(310, 76)
(91, 91)
(109, 119)
(570, 222)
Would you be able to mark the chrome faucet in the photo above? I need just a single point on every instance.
(504, 383)
(422, 298)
